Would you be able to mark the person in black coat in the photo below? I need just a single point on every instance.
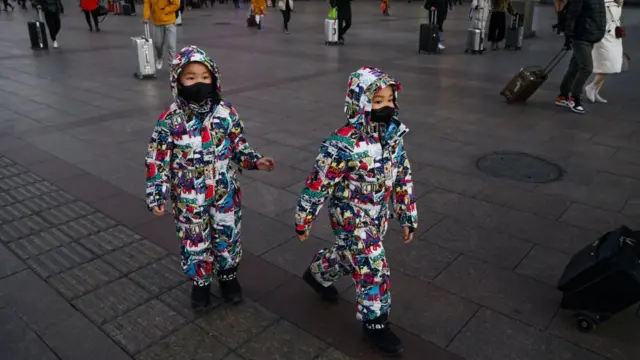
(344, 17)
(442, 8)
(52, 10)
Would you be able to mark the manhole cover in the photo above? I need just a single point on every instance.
(519, 167)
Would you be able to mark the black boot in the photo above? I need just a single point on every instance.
(328, 293)
(229, 285)
(378, 332)
(201, 297)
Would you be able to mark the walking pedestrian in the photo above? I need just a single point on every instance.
(163, 17)
(286, 6)
(498, 21)
(344, 17)
(51, 10)
(90, 9)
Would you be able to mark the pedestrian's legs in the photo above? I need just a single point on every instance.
(133, 6)
(286, 16)
(347, 25)
(158, 41)
(87, 17)
(170, 34)
(96, 22)
(53, 24)
(584, 63)
(226, 249)
(569, 77)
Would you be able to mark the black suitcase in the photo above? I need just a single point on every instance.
(603, 278)
(428, 41)
(196, 4)
(38, 33)
(126, 9)
(514, 36)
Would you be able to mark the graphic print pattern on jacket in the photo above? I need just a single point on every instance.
(360, 168)
(190, 157)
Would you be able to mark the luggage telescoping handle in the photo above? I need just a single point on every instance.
(147, 33)
(433, 16)
(555, 61)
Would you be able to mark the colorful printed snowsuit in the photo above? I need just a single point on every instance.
(190, 155)
(359, 171)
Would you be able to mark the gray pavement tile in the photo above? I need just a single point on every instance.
(419, 258)
(162, 232)
(596, 219)
(614, 339)
(589, 195)
(89, 225)
(491, 246)
(22, 228)
(554, 234)
(294, 255)
(134, 256)
(4, 162)
(67, 212)
(76, 338)
(261, 234)
(87, 187)
(332, 354)
(20, 342)
(283, 176)
(449, 180)
(39, 243)
(189, 343)
(501, 290)
(632, 208)
(439, 321)
(111, 301)
(544, 264)
(83, 279)
(12, 170)
(611, 183)
(14, 212)
(144, 326)
(235, 325)
(179, 300)
(233, 356)
(10, 183)
(30, 191)
(256, 287)
(491, 336)
(107, 241)
(9, 263)
(266, 199)
(125, 209)
(282, 341)
(627, 155)
(527, 201)
(159, 277)
(59, 259)
(47, 201)
(33, 300)
(56, 169)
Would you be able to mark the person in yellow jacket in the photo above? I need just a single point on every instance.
(163, 17)
(259, 9)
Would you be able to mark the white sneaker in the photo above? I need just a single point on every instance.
(590, 92)
(441, 47)
(158, 64)
(600, 100)
(55, 44)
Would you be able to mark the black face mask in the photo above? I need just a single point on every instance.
(197, 93)
(383, 115)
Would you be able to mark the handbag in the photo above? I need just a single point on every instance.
(333, 14)
(620, 32)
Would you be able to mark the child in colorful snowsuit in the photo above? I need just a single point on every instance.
(359, 169)
(190, 158)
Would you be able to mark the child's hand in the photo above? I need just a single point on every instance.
(266, 164)
(304, 236)
(408, 235)
(158, 210)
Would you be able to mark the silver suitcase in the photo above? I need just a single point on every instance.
(146, 55)
(475, 34)
(330, 32)
(515, 34)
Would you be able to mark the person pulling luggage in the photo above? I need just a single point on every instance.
(344, 17)
(52, 10)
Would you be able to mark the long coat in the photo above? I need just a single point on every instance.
(607, 54)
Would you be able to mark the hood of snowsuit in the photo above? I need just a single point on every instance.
(186, 56)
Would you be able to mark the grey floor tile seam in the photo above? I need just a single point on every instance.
(453, 338)
(328, 346)
(522, 259)
(35, 332)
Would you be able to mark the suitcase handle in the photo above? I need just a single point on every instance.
(147, 33)
(555, 61)
(433, 16)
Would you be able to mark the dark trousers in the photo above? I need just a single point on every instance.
(562, 18)
(286, 15)
(497, 26)
(580, 68)
(344, 23)
(53, 23)
(6, 4)
(92, 14)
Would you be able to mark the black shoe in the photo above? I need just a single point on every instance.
(201, 298)
(341, 41)
(377, 331)
(229, 285)
(90, 29)
(328, 293)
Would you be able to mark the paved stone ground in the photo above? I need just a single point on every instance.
(86, 272)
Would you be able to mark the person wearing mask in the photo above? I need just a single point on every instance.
(607, 54)
(586, 24)
(286, 6)
(90, 9)
(344, 17)
(363, 172)
(163, 17)
(196, 145)
(51, 10)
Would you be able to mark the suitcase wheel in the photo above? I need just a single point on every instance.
(586, 323)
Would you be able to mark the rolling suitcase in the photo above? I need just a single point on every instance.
(475, 34)
(146, 67)
(603, 278)
(428, 40)
(529, 79)
(37, 33)
(330, 32)
(515, 33)
(126, 9)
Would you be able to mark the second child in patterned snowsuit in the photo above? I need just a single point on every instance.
(190, 157)
(360, 169)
